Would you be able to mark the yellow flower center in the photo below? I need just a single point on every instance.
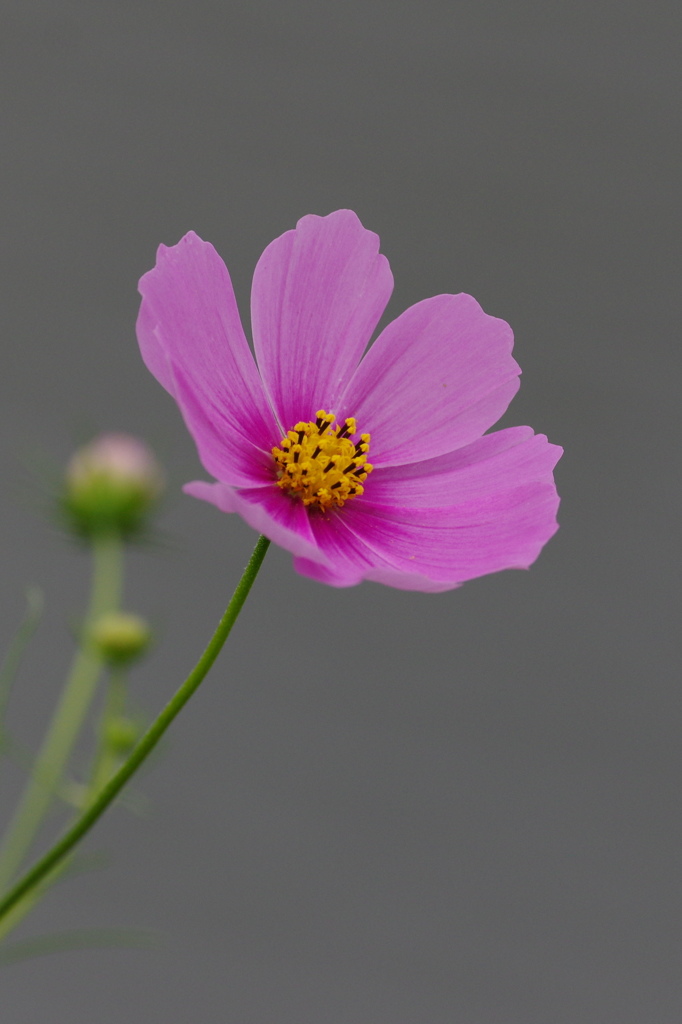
(321, 464)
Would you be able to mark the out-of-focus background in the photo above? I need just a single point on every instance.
(476, 818)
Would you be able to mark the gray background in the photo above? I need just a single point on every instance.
(474, 818)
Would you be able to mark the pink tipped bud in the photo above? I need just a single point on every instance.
(111, 485)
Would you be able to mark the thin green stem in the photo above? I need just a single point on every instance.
(69, 714)
(113, 787)
(106, 759)
(21, 909)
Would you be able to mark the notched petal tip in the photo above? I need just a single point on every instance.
(186, 248)
(343, 218)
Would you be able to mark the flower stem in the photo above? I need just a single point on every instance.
(112, 788)
(106, 760)
(69, 714)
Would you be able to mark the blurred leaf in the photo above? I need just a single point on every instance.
(79, 939)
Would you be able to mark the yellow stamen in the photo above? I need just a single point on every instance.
(320, 464)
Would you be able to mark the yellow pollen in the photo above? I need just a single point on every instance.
(321, 464)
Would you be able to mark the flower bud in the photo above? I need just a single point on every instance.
(121, 734)
(120, 637)
(111, 486)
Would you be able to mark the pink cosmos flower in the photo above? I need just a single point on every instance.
(371, 467)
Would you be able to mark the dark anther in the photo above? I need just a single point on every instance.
(316, 452)
(350, 467)
(301, 435)
(337, 484)
(296, 455)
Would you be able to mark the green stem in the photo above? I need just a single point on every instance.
(68, 717)
(107, 759)
(113, 787)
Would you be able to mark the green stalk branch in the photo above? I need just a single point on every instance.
(69, 715)
(113, 787)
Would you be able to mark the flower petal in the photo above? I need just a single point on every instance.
(189, 330)
(350, 561)
(434, 380)
(480, 536)
(223, 454)
(318, 293)
(436, 549)
(494, 463)
(267, 510)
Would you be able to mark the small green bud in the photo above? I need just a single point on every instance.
(111, 485)
(121, 734)
(120, 637)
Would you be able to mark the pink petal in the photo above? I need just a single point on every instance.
(267, 510)
(347, 559)
(434, 380)
(223, 454)
(494, 463)
(192, 340)
(350, 561)
(503, 531)
(435, 549)
(318, 293)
